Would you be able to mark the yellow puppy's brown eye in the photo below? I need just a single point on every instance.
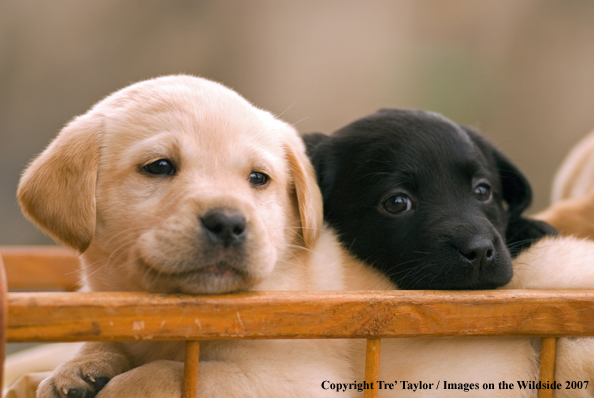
(258, 179)
(160, 167)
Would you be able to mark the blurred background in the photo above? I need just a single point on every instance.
(520, 71)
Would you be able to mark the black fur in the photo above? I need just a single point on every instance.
(455, 236)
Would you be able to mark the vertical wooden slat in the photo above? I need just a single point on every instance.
(548, 350)
(372, 363)
(191, 369)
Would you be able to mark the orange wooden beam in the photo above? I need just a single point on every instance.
(369, 314)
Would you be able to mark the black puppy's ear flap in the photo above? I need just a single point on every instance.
(516, 188)
(320, 153)
(521, 232)
(312, 140)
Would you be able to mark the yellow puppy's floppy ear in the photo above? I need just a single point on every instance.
(57, 190)
(309, 197)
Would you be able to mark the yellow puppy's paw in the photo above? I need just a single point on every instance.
(76, 380)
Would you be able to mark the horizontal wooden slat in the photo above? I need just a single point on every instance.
(40, 267)
(377, 314)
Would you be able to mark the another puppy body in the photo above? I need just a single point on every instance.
(562, 262)
(571, 217)
(566, 262)
(575, 177)
(572, 198)
(400, 192)
(179, 185)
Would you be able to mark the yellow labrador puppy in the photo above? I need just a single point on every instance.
(179, 185)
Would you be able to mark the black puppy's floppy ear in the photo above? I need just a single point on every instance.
(312, 140)
(521, 232)
(321, 156)
(516, 188)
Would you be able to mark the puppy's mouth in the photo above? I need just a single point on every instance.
(220, 270)
(214, 278)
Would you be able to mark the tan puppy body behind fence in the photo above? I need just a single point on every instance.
(575, 177)
(572, 213)
(572, 196)
(179, 185)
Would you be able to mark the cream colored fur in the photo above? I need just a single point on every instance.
(567, 261)
(139, 232)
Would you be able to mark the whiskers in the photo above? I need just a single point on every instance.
(519, 244)
(124, 238)
(418, 268)
(286, 110)
(299, 121)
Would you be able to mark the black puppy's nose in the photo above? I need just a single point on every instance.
(478, 251)
(224, 226)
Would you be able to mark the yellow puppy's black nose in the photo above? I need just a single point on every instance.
(224, 226)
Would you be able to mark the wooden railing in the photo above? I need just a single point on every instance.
(371, 315)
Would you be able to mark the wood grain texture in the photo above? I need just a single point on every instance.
(370, 314)
(548, 352)
(40, 267)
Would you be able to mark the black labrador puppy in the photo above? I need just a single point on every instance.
(428, 202)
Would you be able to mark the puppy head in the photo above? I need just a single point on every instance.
(421, 198)
(175, 184)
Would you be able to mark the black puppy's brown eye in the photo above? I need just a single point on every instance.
(160, 167)
(397, 204)
(482, 192)
(258, 179)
